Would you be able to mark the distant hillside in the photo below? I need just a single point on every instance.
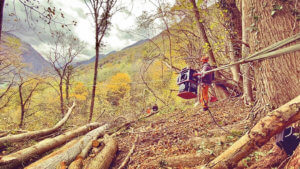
(137, 43)
(34, 60)
(86, 62)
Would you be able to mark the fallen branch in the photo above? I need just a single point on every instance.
(105, 157)
(261, 133)
(15, 159)
(69, 152)
(124, 163)
(33, 134)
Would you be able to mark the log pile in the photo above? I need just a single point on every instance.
(35, 134)
(73, 147)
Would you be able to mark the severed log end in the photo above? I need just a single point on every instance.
(105, 157)
(62, 165)
(77, 164)
(96, 143)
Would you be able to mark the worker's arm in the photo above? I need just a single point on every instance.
(197, 74)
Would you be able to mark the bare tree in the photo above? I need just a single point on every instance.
(66, 48)
(26, 88)
(102, 12)
(70, 73)
(220, 89)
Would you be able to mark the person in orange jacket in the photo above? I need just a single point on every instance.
(205, 80)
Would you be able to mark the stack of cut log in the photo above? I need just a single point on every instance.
(76, 145)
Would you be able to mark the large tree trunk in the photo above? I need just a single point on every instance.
(277, 80)
(260, 134)
(105, 157)
(247, 84)
(2, 2)
(221, 91)
(69, 152)
(15, 159)
(34, 134)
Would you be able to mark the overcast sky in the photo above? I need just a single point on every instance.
(122, 33)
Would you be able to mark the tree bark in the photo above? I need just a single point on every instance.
(2, 2)
(15, 159)
(261, 133)
(105, 157)
(34, 134)
(247, 84)
(69, 152)
(277, 80)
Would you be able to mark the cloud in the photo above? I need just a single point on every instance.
(122, 33)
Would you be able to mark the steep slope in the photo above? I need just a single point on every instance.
(86, 62)
(136, 44)
(34, 61)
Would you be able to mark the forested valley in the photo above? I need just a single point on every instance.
(73, 96)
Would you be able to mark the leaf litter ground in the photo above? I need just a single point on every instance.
(167, 135)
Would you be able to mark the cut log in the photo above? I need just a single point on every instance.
(125, 161)
(186, 160)
(68, 152)
(78, 162)
(4, 134)
(105, 157)
(273, 160)
(261, 133)
(35, 134)
(19, 157)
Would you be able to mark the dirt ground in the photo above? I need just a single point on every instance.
(167, 135)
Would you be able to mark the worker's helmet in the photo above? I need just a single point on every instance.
(204, 59)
